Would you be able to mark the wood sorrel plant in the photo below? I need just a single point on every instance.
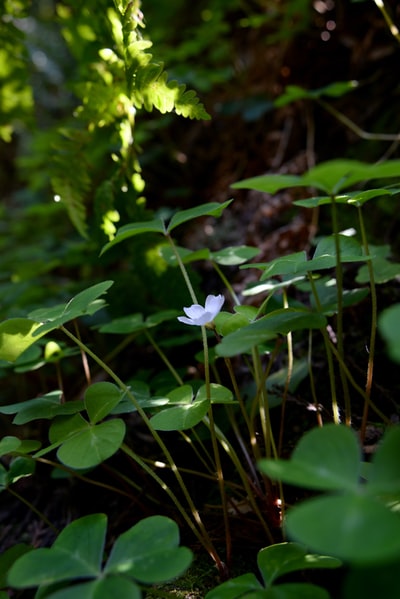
(86, 433)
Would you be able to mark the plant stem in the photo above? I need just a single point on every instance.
(164, 358)
(87, 480)
(200, 534)
(355, 128)
(243, 475)
(183, 269)
(374, 317)
(312, 381)
(85, 362)
(289, 338)
(203, 533)
(328, 351)
(339, 316)
(226, 283)
(33, 509)
(357, 387)
(217, 457)
(389, 21)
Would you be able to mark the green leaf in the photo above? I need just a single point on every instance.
(184, 216)
(280, 321)
(124, 325)
(163, 315)
(285, 265)
(16, 335)
(100, 399)
(328, 297)
(181, 395)
(330, 177)
(93, 445)
(46, 407)
(149, 552)
(241, 586)
(113, 586)
(272, 285)
(64, 427)
(219, 394)
(296, 590)
(76, 553)
(338, 470)
(84, 303)
(280, 559)
(268, 183)
(7, 558)
(325, 253)
(352, 527)
(3, 478)
(294, 93)
(20, 467)
(187, 256)
(384, 271)
(235, 255)
(27, 446)
(384, 474)
(324, 257)
(226, 322)
(335, 175)
(389, 328)
(133, 229)
(180, 417)
(9, 444)
(354, 198)
(158, 226)
(135, 322)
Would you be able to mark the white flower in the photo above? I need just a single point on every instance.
(199, 316)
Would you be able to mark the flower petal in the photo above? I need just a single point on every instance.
(204, 318)
(194, 311)
(199, 316)
(186, 320)
(214, 304)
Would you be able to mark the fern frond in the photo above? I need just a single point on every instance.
(69, 178)
(73, 200)
(147, 81)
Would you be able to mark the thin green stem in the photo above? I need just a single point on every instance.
(33, 509)
(206, 541)
(312, 381)
(389, 21)
(225, 444)
(289, 338)
(206, 362)
(339, 316)
(226, 283)
(357, 387)
(374, 319)
(199, 474)
(201, 534)
(263, 406)
(355, 128)
(204, 459)
(236, 431)
(328, 351)
(164, 358)
(183, 269)
(90, 481)
(214, 443)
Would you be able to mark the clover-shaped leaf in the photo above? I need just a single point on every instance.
(86, 302)
(357, 522)
(148, 553)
